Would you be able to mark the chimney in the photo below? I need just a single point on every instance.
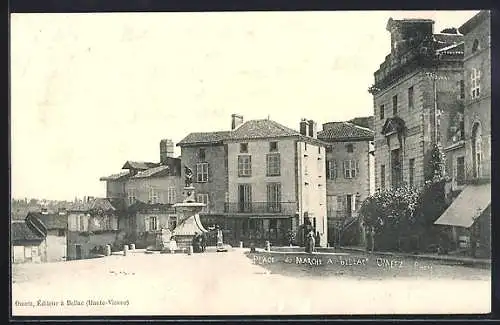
(236, 121)
(304, 127)
(166, 150)
(313, 129)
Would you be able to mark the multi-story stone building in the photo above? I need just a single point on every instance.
(148, 190)
(415, 95)
(276, 181)
(471, 165)
(206, 155)
(350, 178)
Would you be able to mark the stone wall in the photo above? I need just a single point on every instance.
(478, 110)
(216, 187)
(56, 245)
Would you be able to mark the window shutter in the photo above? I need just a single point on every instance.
(344, 167)
(146, 223)
(86, 220)
(353, 203)
(357, 168)
(328, 164)
(335, 170)
(209, 173)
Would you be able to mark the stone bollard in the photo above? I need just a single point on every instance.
(108, 250)
(268, 246)
(125, 250)
(241, 244)
(132, 247)
(190, 250)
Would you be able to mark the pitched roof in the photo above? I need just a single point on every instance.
(142, 165)
(105, 204)
(258, 129)
(344, 131)
(51, 220)
(20, 231)
(474, 21)
(155, 171)
(204, 138)
(454, 49)
(143, 206)
(115, 177)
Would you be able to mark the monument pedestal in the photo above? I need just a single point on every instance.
(188, 223)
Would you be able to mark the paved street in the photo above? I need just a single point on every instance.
(229, 283)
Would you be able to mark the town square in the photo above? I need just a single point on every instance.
(186, 166)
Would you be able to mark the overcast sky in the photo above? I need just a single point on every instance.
(90, 91)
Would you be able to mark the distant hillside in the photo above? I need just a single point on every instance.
(366, 122)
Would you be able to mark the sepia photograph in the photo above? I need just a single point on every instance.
(250, 163)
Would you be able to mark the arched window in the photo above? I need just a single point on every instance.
(476, 150)
(475, 46)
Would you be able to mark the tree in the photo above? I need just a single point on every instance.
(390, 213)
(435, 168)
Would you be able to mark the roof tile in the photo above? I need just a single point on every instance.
(204, 138)
(344, 131)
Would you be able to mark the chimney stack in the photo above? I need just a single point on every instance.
(313, 129)
(304, 127)
(166, 150)
(236, 121)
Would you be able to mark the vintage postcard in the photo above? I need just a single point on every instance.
(251, 163)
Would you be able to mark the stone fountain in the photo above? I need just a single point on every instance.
(188, 215)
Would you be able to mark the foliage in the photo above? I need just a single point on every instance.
(431, 203)
(435, 167)
(390, 207)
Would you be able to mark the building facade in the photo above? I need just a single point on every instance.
(276, 182)
(350, 179)
(469, 214)
(28, 244)
(55, 228)
(93, 227)
(415, 94)
(206, 155)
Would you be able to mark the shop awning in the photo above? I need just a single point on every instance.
(469, 204)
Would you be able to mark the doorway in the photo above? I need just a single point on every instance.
(78, 249)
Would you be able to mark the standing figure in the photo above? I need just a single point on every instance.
(195, 243)
(172, 245)
(203, 242)
(220, 243)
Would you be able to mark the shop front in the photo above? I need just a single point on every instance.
(258, 230)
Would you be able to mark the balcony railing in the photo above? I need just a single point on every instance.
(261, 207)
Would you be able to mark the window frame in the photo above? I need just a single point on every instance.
(475, 83)
(244, 165)
(350, 168)
(332, 172)
(381, 112)
(200, 171)
(395, 105)
(273, 146)
(411, 97)
(271, 157)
